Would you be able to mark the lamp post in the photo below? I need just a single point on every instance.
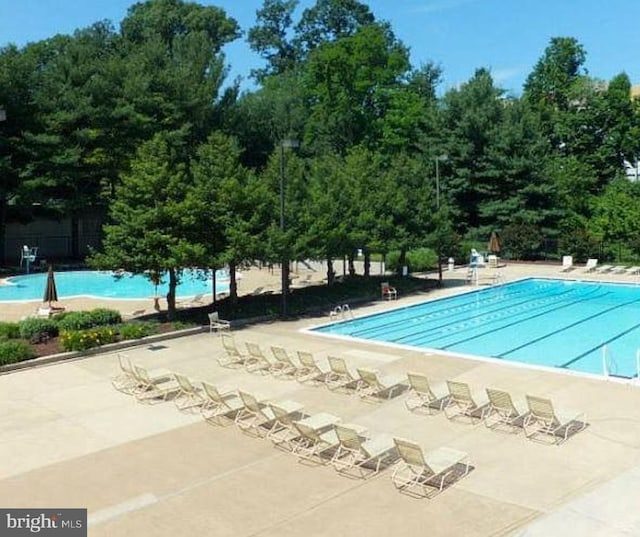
(438, 159)
(284, 282)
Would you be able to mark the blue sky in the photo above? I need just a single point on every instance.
(506, 36)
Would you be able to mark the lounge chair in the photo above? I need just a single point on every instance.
(388, 292)
(233, 357)
(192, 302)
(427, 470)
(339, 376)
(309, 370)
(462, 403)
(619, 269)
(421, 396)
(542, 419)
(375, 388)
(567, 263)
(283, 365)
(219, 407)
(256, 362)
(258, 418)
(216, 323)
(315, 436)
(604, 268)
(188, 395)
(154, 386)
(282, 430)
(633, 270)
(502, 411)
(591, 265)
(125, 381)
(361, 453)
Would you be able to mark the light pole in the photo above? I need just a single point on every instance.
(284, 282)
(438, 159)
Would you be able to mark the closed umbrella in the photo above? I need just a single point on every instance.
(50, 291)
(494, 243)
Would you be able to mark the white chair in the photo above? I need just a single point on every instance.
(216, 323)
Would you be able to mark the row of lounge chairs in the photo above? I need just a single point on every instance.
(539, 420)
(337, 375)
(592, 266)
(319, 438)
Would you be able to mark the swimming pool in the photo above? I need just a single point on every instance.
(106, 284)
(555, 323)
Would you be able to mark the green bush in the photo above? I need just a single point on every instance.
(419, 260)
(136, 330)
(9, 331)
(15, 351)
(103, 317)
(422, 260)
(81, 340)
(75, 320)
(35, 329)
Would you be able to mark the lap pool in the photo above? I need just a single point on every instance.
(107, 284)
(554, 323)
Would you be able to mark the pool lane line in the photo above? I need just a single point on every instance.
(491, 330)
(545, 311)
(569, 326)
(437, 313)
(499, 307)
(584, 354)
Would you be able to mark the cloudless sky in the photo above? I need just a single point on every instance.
(506, 36)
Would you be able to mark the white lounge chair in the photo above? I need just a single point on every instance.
(591, 265)
(232, 357)
(283, 365)
(258, 418)
(543, 420)
(256, 361)
(188, 395)
(421, 396)
(462, 403)
(219, 406)
(567, 263)
(427, 470)
(154, 386)
(502, 411)
(375, 388)
(310, 371)
(339, 376)
(364, 454)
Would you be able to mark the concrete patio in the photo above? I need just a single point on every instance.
(70, 440)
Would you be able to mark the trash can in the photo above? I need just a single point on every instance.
(451, 264)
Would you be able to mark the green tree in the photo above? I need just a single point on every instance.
(151, 219)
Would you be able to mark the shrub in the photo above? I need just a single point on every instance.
(103, 316)
(9, 330)
(136, 330)
(75, 320)
(81, 340)
(15, 351)
(38, 329)
(422, 260)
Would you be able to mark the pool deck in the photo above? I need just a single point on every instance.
(70, 440)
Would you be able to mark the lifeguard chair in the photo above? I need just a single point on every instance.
(28, 256)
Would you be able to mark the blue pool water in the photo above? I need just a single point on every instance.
(105, 284)
(556, 323)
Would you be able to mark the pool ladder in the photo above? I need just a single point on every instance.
(341, 312)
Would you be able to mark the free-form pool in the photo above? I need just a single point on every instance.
(555, 323)
(106, 284)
